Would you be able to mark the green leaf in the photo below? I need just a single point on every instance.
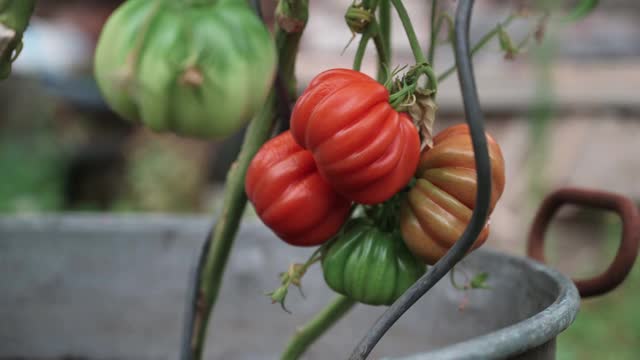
(479, 281)
(581, 10)
(506, 44)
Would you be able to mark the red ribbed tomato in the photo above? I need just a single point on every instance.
(364, 148)
(290, 196)
(438, 208)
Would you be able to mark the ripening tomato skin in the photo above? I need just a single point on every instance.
(438, 208)
(291, 197)
(364, 148)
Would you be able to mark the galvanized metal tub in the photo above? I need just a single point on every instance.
(105, 287)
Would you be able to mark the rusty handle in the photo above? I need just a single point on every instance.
(627, 251)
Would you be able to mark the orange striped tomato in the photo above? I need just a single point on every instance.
(438, 208)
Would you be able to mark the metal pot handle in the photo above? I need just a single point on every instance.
(627, 251)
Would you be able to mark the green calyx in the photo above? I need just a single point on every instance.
(405, 90)
(385, 215)
(370, 265)
(415, 94)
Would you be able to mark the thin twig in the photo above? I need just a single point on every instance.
(479, 45)
(384, 60)
(435, 29)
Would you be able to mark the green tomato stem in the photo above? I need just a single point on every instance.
(384, 61)
(362, 48)
(317, 326)
(398, 97)
(382, 50)
(314, 258)
(433, 79)
(418, 54)
(223, 234)
(226, 227)
(479, 45)
(383, 57)
(290, 12)
(435, 29)
(372, 31)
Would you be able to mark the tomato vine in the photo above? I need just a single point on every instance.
(218, 245)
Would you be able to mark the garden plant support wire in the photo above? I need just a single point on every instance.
(475, 120)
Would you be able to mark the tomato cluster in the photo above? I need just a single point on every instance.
(349, 147)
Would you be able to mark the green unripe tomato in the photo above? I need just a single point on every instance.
(197, 68)
(369, 265)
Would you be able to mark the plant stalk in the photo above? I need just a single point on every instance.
(310, 332)
(362, 48)
(219, 243)
(223, 234)
(371, 32)
(384, 59)
(435, 29)
(418, 54)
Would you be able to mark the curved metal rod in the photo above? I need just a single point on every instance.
(284, 112)
(483, 195)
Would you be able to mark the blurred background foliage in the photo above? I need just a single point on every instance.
(61, 149)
